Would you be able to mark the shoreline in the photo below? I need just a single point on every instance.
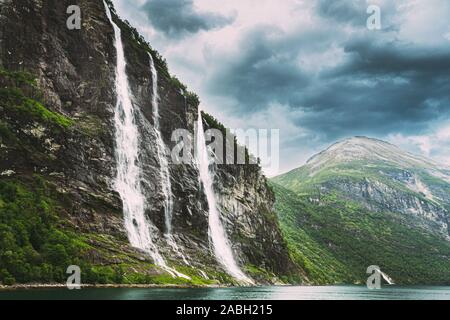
(34, 286)
(43, 286)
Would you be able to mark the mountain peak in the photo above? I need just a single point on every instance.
(361, 148)
(364, 139)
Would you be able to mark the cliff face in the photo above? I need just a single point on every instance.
(378, 196)
(57, 142)
(247, 205)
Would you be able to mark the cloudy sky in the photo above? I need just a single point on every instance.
(311, 68)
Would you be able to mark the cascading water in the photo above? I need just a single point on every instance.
(222, 249)
(164, 170)
(128, 177)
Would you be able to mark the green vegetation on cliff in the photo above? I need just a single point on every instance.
(18, 99)
(37, 243)
(365, 202)
(335, 241)
(32, 247)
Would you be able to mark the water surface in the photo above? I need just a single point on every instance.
(259, 293)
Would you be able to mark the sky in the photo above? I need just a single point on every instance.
(311, 68)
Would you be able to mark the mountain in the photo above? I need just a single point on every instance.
(365, 202)
(86, 176)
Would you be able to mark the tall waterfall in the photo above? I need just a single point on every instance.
(164, 170)
(165, 175)
(222, 249)
(128, 177)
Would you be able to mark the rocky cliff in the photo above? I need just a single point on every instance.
(58, 205)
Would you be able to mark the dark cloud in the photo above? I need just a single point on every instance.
(354, 12)
(381, 87)
(267, 68)
(373, 83)
(343, 10)
(395, 58)
(384, 88)
(176, 18)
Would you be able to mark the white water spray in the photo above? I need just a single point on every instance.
(127, 182)
(222, 249)
(164, 170)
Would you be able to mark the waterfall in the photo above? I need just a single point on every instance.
(165, 175)
(127, 182)
(218, 237)
(164, 170)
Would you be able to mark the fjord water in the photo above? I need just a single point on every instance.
(222, 248)
(238, 293)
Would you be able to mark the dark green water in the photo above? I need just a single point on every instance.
(260, 293)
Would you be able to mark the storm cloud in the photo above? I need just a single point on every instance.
(379, 88)
(314, 70)
(343, 10)
(177, 18)
(383, 88)
(380, 85)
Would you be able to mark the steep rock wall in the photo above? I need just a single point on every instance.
(75, 71)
